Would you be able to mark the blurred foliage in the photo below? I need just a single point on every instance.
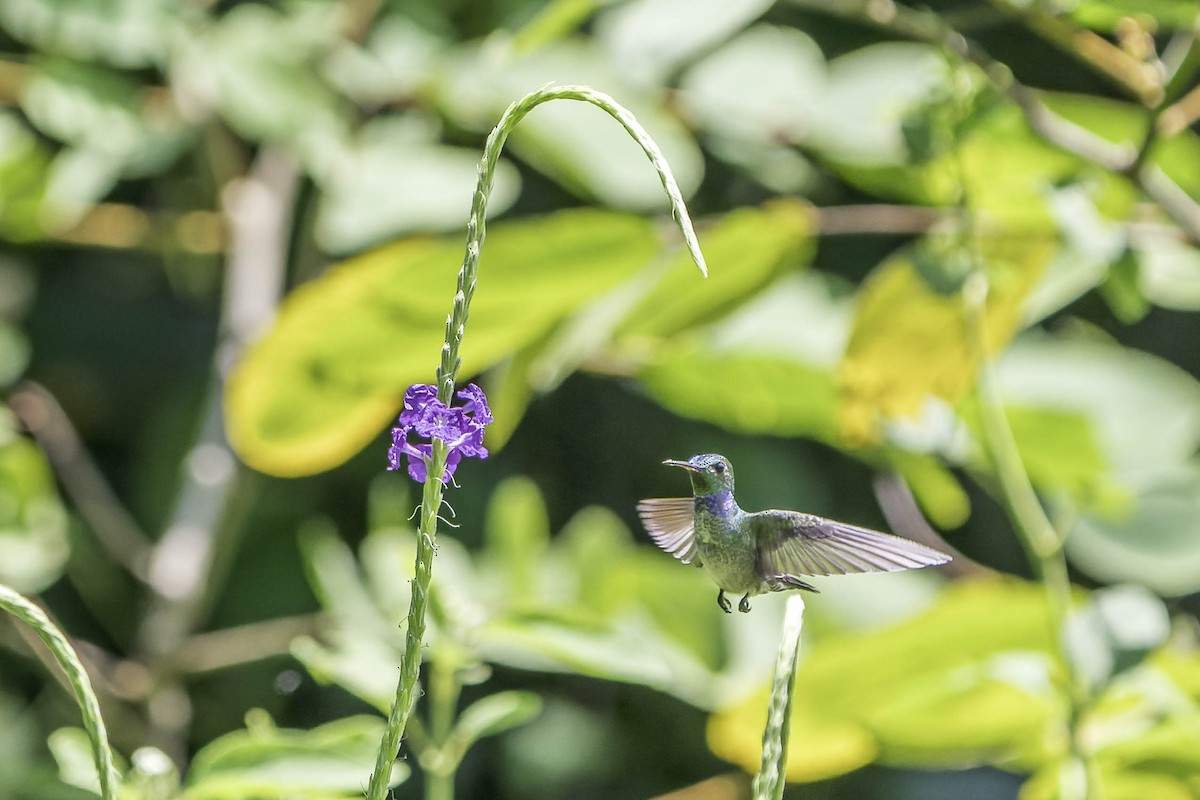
(167, 169)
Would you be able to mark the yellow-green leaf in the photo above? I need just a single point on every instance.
(909, 342)
(331, 371)
(745, 251)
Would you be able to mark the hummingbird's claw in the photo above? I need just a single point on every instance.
(744, 603)
(725, 605)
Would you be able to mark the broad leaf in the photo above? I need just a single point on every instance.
(332, 370)
(746, 250)
(329, 761)
(33, 524)
(910, 343)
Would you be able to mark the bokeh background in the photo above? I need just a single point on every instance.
(229, 234)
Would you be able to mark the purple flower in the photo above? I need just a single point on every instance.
(461, 428)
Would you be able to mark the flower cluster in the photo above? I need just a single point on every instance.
(460, 427)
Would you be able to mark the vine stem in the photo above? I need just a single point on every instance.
(447, 372)
(33, 616)
(1035, 531)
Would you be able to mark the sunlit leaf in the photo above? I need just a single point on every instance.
(329, 761)
(1114, 632)
(745, 392)
(72, 751)
(1144, 412)
(24, 172)
(650, 38)
(493, 715)
(124, 34)
(1125, 123)
(398, 179)
(518, 533)
(256, 66)
(33, 523)
(1104, 15)
(869, 92)
(104, 112)
(910, 342)
(1154, 541)
(745, 251)
(331, 371)
(1169, 273)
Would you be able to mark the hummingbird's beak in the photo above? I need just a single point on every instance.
(671, 462)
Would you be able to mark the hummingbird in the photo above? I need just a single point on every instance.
(752, 553)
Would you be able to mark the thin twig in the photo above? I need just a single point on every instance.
(877, 218)
(118, 533)
(185, 570)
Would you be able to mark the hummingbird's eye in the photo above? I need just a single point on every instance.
(718, 467)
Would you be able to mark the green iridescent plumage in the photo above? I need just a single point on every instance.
(751, 553)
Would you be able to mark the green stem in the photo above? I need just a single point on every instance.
(772, 776)
(56, 640)
(1035, 531)
(456, 323)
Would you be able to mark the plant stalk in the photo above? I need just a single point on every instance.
(33, 616)
(447, 372)
(1035, 531)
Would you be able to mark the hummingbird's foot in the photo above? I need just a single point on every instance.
(725, 605)
(744, 603)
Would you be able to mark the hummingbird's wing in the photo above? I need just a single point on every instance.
(669, 521)
(791, 543)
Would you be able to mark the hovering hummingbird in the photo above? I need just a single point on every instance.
(765, 551)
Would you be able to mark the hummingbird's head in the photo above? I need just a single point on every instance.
(711, 473)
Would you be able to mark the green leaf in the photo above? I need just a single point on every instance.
(1061, 450)
(72, 751)
(344, 348)
(745, 392)
(103, 112)
(258, 67)
(650, 39)
(1122, 290)
(727, 93)
(1154, 541)
(24, 171)
(361, 206)
(1114, 632)
(329, 761)
(1105, 15)
(869, 92)
(1169, 273)
(518, 534)
(1125, 123)
(909, 343)
(124, 34)
(33, 524)
(1144, 412)
(493, 715)
(747, 249)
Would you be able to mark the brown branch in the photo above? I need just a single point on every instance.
(231, 647)
(118, 533)
(876, 218)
